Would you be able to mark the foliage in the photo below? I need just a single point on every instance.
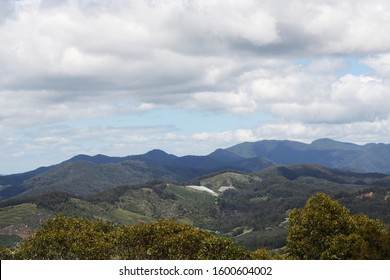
(171, 240)
(260, 201)
(324, 229)
(386, 244)
(265, 254)
(72, 238)
(345, 247)
(261, 254)
(219, 248)
(6, 253)
(69, 238)
(161, 240)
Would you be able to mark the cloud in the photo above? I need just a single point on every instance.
(344, 100)
(380, 63)
(78, 62)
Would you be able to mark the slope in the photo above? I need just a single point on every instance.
(84, 178)
(250, 207)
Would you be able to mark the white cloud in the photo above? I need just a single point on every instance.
(380, 63)
(87, 60)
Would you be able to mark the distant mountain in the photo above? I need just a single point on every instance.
(87, 173)
(326, 152)
(156, 156)
(252, 156)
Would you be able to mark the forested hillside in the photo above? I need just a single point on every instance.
(322, 229)
(250, 208)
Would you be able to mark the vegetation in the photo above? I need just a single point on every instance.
(86, 178)
(74, 238)
(254, 212)
(322, 229)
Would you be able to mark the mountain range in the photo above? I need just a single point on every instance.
(84, 174)
(245, 191)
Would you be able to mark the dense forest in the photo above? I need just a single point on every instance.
(322, 229)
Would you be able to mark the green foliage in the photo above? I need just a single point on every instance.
(259, 204)
(324, 229)
(345, 247)
(259, 201)
(161, 240)
(170, 240)
(6, 253)
(312, 228)
(386, 244)
(219, 248)
(261, 254)
(69, 238)
(373, 234)
(265, 254)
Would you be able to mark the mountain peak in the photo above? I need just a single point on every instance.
(156, 156)
(80, 157)
(157, 152)
(327, 144)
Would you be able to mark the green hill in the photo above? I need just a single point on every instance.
(85, 178)
(252, 208)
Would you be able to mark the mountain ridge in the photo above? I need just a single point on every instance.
(252, 208)
(243, 157)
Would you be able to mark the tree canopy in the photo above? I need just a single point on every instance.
(324, 229)
(75, 238)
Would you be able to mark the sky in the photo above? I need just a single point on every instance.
(124, 77)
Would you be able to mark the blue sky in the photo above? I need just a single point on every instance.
(124, 77)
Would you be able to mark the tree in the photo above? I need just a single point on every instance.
(324, 229)
(72, 238)
(265, 254)
(386, 244)
(373, 234)
(161, 240)
(313, 227)
(220, 248)
(69, 238)
(261, 254)
(6, 254)
(345, 247)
